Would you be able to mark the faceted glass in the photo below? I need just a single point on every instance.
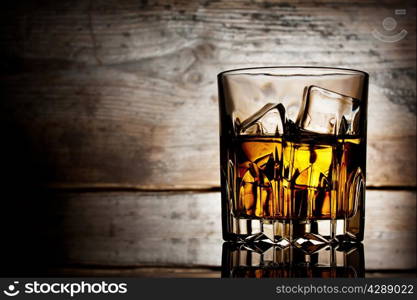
(263, 260)
(293, 150)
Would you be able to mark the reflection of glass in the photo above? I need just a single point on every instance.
(262, 260)
(293, 144)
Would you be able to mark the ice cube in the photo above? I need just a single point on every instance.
(328, 112)
(266, 121)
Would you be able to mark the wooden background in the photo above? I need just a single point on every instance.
(109, 122)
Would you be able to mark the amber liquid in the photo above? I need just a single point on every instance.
(308, 177)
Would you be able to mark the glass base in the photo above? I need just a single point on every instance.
(304, 234)
(267, 260)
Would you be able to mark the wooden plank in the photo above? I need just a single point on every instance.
(390, 275)
(137, 272)
(390, 230)
(125, 95)
(110, 32)
(183, 229)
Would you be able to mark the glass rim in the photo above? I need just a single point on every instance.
(346, 71)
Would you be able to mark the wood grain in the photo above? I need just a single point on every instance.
(121, 94)
(183, 229)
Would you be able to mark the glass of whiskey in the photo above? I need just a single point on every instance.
(293, 154)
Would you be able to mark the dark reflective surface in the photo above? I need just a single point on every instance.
(262, 260)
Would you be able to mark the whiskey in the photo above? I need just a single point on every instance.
(306, 177)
